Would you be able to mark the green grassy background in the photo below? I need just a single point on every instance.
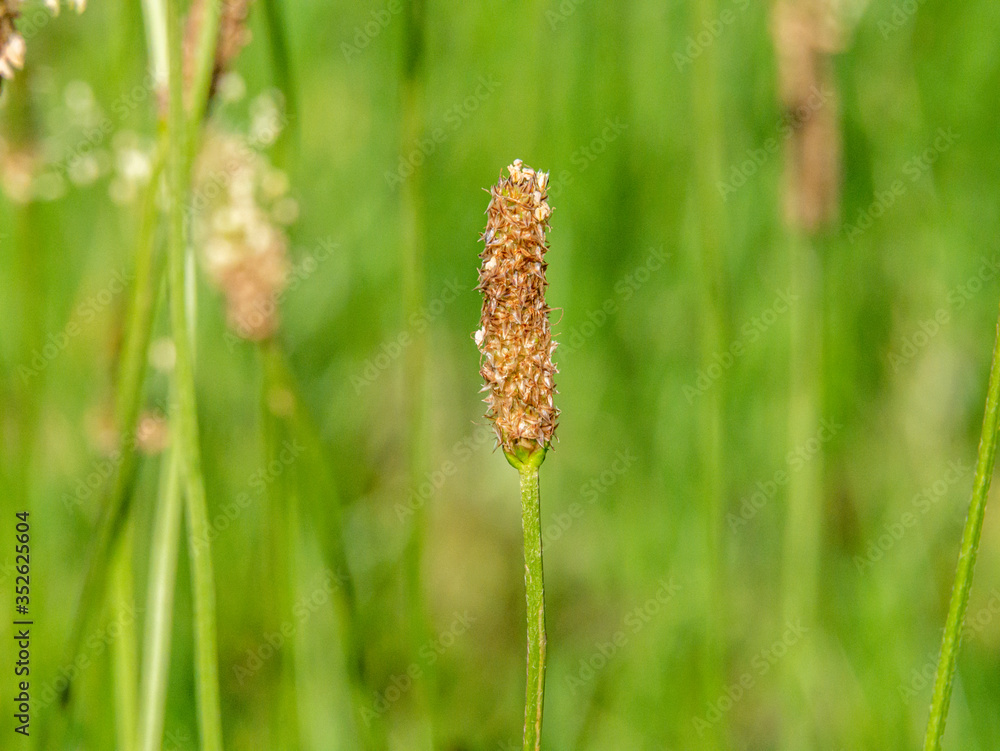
(621, 490)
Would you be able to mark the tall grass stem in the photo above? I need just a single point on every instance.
(186, 422)
(282, 501)
(802, 533)
(325, 517)
(708, 151)
(413, 264)
(124, 648)
(160, 606)
(287, 147)
(148, 272)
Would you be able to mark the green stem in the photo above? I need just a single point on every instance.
(186, 435)
(160, 607)
(142, 309)
(128, 399)
(534, 588)
(142, 313)
(952, 638)
(287, 145)
(414, 271)
(708, 152)
(283, 522)
(124, 649)
(288, 529)
(325, 517)
(803, 526)
(802, 534)
(208, 40)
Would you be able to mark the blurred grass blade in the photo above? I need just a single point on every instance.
(149, 266)
(282, 522)
(326, 519)
(186, 440)
(204, 67)
(277, 31)
(124, 648)
(708, 152)
(413, 264)
(160, 606)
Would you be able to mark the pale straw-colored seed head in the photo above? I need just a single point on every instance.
(514, 334)
(12, 44)
(18, 168)
(806, 34)
(78, 5)
(234, 35)
(152, 434)
(12, 47)
(244, 248)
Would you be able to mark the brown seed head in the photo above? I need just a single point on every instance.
(233, 37)
(12, 47)
(514, 335)
(152, 434)
(17, 172)
(806, 34)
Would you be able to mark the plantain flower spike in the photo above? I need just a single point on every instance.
(514, 334)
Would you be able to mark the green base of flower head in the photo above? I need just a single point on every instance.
(523, 457)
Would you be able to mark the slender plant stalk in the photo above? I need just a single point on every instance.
(186, 434)
(534, 587)
(414, 285)
(288, 141)
(149, 270)
(124, 650)
(326, 517)
(142, 309)
(805, 504)
(208, 40)
(154, 14)
(128, 399)
(288, 530)
(711, 215)
(951, 641)
(21, 131)
(283, 525)
(160, 606)
(802, 534)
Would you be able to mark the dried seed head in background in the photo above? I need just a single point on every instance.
(12, 47)
(240, 202)
(806, 34)
(17, 172)
(514, 335)
(152, 434)
(78, 5)
(233, 37)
